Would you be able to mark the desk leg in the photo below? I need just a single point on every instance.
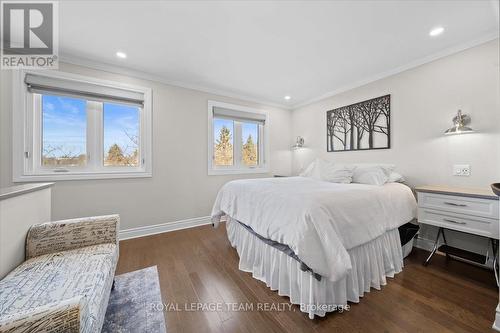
(496, 324)
(434, 249)
(494, 246)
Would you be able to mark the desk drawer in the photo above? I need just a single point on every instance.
(460, 205)
(474, 225)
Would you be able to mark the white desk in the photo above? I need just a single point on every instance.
(473, 211)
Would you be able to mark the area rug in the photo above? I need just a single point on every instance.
(131, 304)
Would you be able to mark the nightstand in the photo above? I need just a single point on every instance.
(470, 211)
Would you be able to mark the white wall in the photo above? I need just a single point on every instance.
(180, 188)
(423, 99)
(423, 102)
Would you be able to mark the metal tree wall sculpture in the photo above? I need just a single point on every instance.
(361, 126)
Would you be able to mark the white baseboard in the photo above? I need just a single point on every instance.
(164, 227)
(423, 243)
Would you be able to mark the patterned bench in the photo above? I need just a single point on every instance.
(65, 282)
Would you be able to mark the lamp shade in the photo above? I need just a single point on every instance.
(460, 122)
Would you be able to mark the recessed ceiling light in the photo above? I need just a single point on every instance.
(287, 98)
(120, 54)
(436, 31)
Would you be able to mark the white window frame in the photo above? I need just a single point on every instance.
(27, 139)
(238, 167)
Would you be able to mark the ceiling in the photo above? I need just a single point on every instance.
(262, 51)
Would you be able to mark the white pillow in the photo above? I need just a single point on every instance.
(335, 173)
(328, 171)
(395, 177)
(386, 167)
(371, 175)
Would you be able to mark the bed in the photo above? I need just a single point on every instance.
(322, 244)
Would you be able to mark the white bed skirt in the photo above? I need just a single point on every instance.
(372, 263)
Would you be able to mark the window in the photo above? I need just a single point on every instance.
(223, 142)
(237, 139)
(64, 131)
(72, 127)
(121, 135)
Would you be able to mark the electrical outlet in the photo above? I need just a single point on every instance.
(461, 170)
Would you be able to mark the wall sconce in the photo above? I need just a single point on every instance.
(299, 143)
(460, 122)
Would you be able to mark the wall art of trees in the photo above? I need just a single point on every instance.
(361, 126)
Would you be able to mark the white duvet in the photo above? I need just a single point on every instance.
(318, 220)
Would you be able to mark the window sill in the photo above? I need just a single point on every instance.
(81, 176)
(220, 172)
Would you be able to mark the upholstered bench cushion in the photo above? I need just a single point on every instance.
(51, 278)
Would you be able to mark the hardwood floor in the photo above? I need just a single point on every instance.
(199, 265)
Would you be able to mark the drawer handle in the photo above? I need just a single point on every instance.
(453, 221)
(455, 204)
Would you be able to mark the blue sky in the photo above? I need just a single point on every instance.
(246, 128)
(65, 124)
(250, 129)
(119, 120)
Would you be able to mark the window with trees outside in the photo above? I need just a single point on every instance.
(236, 139)
(79, 128)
